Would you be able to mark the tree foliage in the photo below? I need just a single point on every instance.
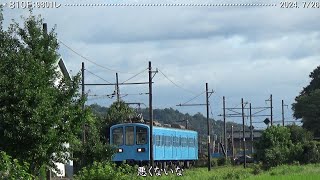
(118, 112)
(95, 148)
(11, 169)
(273, 148)
(307, 105)
(38, 112)
(279, 145)
(107, 170)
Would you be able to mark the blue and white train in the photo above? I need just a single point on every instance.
(170, 145)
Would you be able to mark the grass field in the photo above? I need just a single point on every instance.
(285, 172)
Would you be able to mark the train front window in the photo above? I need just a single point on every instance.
(141, 134)
(129, 135)
(117, 135)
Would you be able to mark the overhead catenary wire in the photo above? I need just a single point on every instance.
(101, 66)
(134, 76)
(187, 90)
(194, 98)
(98, 76)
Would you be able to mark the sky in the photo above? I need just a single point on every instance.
(241, 51)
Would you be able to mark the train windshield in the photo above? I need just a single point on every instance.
(117, 135)
(129, 135)
(141, 135)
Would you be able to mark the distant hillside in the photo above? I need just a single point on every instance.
(196, 122)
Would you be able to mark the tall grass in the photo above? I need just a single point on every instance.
(284, 172)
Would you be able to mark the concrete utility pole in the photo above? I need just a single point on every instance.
(208, 94)
(117, 88)
(283, 111)
(243, 135)
(224, 128)
(251, 130)
(208, 127)
(271, 109)
(150, 116)
(45, 32)
(232, 141)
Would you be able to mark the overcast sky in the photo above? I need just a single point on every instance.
(241, 52)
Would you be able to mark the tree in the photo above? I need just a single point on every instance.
(11, 169)
(307, 105)
(273, 148)
(299, 134)
(118, 112)
(314, 83)
(39, 109)
(95, 148)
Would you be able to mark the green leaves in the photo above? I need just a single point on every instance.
(40, 110)
(11, 168)
(279, 145)
(307, 105)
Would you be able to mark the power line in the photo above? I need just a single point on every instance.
(104, 67)
(97, 76)
(134, 76)
(187, 90)
(194, 98)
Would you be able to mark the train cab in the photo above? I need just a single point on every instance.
(131, 141)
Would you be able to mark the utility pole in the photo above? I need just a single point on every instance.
(84, 125)
(224, 128)
(82, 94)
(200, 144)
(243, 135)
(208, 127)
(283, 112)
(208, 94)
(45, 32)
(150, 116)
(232, 142)
(117, 88)
(251, 130)
(271, 109)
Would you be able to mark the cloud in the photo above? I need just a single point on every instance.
(247, 52)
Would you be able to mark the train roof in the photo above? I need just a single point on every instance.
(155, 127)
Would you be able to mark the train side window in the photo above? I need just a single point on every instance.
(166, 140)
(163, 140)
(141, 135)
(129, 135)
(117, 136)
(183, 142)
(191, 141)
(154, 139)
(158, 140)
(176, 141)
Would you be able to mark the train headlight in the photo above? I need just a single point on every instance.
(141, 150)
(120, 150)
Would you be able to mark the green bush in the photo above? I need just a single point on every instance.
(257, 168)
(311, 152)
(222, 161)
(106, 170)
(11, 169)
(276, 156)
(214, 162)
